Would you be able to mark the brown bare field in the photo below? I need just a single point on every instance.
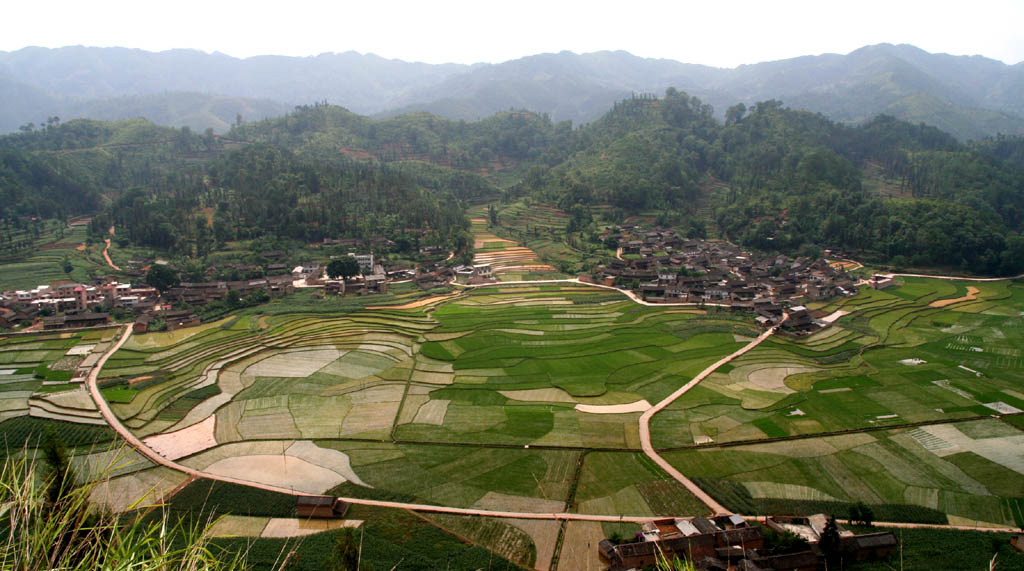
(184, 442)
(415, 304)
(972, 294)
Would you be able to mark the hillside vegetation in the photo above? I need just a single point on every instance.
(768, 177)
(970, 97)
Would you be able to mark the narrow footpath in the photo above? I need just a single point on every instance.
(628, 293)
(149, 453)
(645, 425)
(106, 251)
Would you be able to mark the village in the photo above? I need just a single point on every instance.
(657, 265)
(652, 266)
(66, 304)
(661, 266)
(726, 542)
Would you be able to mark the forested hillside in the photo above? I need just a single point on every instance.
(62, 170)
(503, 140)
(795, 181)
(768, 177)
(267, 191)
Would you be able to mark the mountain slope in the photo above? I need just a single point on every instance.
(113, 83)
(969, 96)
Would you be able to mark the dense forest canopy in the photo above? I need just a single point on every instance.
(264, 190)
(768, 177)
(66, 169)
(793, 180)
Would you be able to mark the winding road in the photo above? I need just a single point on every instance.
(142, 448)
(106, 251)
(644, 428)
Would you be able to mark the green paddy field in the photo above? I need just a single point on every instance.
(902, 404)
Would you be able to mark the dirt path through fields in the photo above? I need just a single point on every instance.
(577, 281)
(148, 452)
(638, 406)
(106, 251)
(645, 428)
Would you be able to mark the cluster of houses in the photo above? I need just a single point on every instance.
(729, 542)
(201, 293)
(65, 304)
(663, 267)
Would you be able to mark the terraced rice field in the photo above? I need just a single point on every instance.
(941, 468)
(543, 229)
(473, 402)
(508, 365)
(42, 263)
(901, 356)
(38, 378)
(314, 403)
(522, 359)
(544, 218)
(504, 256)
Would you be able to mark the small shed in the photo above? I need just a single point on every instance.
(871, 546)
(142, 323)
(320, 507)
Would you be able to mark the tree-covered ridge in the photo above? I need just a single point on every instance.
(323, 131)
(793, 180)
(264, 190)
(65, 169)
(767, 177)
(33, 187)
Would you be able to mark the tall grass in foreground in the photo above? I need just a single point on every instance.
(48, 526)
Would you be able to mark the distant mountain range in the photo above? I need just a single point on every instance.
(968, 96)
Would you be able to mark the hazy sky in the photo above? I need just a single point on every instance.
(723, 34)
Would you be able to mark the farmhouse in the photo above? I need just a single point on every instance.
(808, 528)
(306, 270)
(870, 546)
(375, 283)
(694, 538)
(141, 324)
(882, 281)
(729, 542)
(320, 507)
(180, 318)
(864, 547)
(799, 320)
(75, 320)
(8, 318)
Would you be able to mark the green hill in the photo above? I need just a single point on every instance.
(768, 177)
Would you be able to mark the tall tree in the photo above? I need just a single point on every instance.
(162, 277)
(343, 267)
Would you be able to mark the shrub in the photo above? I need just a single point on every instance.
(66, 533)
